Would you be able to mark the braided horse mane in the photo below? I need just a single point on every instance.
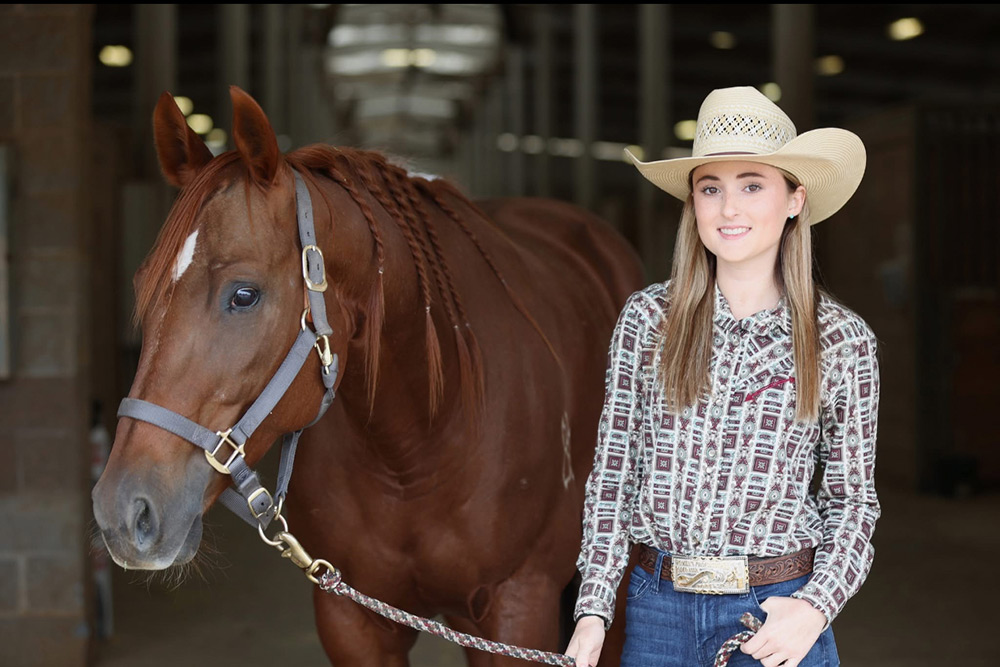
(404, 198)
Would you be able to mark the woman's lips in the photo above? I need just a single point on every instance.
(730, 233)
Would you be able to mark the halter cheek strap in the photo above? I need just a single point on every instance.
(224, 450)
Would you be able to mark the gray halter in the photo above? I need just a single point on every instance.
(253, 503)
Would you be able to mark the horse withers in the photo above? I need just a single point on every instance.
(447, 475)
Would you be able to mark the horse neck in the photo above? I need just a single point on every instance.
(395, 417)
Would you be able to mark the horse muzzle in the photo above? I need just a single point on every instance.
(144, 529)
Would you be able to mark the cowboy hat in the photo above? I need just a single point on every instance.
(742, 124)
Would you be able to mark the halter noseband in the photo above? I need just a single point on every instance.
(254, 504)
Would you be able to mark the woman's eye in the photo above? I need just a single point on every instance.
(709, 190)
(245, 297)
(753, 187)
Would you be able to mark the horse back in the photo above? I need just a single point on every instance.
(561, 241)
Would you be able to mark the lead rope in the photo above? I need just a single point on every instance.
(331, 581)
(730, 645)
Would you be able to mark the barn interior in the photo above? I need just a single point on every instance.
(504, 100)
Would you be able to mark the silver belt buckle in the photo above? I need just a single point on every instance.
(715, 575)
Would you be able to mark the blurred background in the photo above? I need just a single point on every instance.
(505, 100)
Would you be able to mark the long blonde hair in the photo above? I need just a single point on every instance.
(687, 329)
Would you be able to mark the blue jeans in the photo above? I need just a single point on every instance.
(666, 628)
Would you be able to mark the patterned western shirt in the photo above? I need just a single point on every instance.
(732, 474)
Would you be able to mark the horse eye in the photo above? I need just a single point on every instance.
(245, 297)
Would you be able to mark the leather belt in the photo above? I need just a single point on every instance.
(760, 571)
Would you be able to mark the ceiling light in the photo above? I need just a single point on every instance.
(684, 130)
(507, 142)
(200, 123)
(533, 144)
(722, 40)
(184, 104)
(907, 28)
(636, 151)
(116, 56)
(829, 65)
(396, 57)
(772, 91)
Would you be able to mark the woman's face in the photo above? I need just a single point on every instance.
(741, 209)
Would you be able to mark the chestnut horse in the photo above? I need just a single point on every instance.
(448, 475)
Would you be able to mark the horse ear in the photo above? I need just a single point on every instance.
(181, 151)
(254, 138)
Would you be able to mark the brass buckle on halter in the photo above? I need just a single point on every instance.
(315, 287)
(253, 496)
(237, 451)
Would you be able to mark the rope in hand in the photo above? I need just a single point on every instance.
(730, 645)
(331, 582)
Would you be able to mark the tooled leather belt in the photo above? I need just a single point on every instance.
(762, 571)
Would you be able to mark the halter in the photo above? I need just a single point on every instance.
(253, 503)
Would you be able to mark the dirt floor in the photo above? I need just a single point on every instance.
(930, 600)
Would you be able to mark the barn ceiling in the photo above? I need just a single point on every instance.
(410, 75)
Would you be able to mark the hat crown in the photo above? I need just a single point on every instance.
(740, 120)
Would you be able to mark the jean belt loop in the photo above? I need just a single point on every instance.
(658, 572)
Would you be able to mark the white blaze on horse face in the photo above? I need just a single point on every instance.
(185, 256)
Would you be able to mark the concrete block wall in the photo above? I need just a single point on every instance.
(45, 66)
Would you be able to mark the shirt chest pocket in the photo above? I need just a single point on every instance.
(767, 379)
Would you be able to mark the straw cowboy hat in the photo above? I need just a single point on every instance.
(742, 124)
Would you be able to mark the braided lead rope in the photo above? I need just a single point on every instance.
(331, 582)
(730, 645)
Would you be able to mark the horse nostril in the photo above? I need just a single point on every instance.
(144, 526)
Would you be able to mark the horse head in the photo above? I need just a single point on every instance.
(220, 299)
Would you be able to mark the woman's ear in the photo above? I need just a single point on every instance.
(796, 200)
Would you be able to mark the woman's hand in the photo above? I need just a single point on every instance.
(790, 630)
(587, 641)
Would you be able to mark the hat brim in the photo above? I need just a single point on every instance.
(828, 162)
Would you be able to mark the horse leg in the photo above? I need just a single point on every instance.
(353, 636)
(524, 612)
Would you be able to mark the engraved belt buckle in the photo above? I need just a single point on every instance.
(715, 575)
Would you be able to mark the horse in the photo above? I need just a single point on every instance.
(470, 345)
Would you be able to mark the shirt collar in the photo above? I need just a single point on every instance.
(761, 323)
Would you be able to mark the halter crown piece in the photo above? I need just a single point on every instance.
(741, 124)
(250, 500)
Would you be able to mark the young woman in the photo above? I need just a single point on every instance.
(728, 386)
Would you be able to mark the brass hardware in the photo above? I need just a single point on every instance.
(237, 451)
(315, 287)
(277, 544)
(253, 496)
(325, 355)
(316, 564)
(295, 552)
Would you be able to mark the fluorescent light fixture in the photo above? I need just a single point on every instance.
(772, 91)
(408, 57)
(829, 65)
(721, 39)
(566, 147)
(684, 130)
(184, 104)
(200, 123)
(533, 144)
(636, 150)
(114, 55)
(607, 150)
(907, 28)
(507, 142)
